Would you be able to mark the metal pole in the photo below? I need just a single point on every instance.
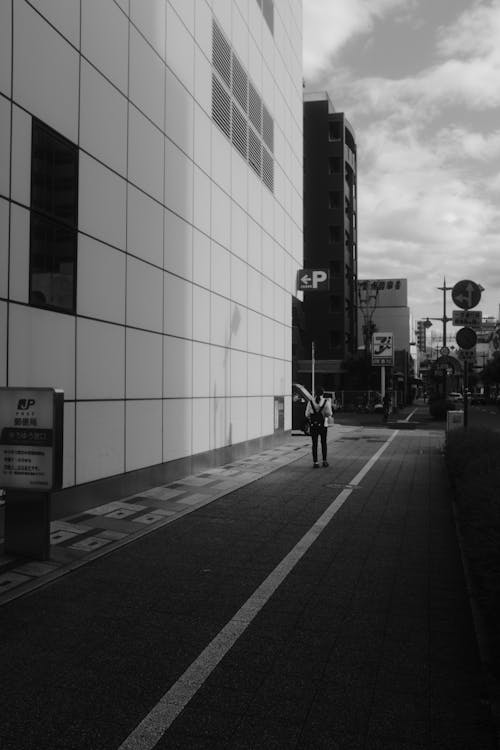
(312, 369)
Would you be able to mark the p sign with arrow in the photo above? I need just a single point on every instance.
(316, 279)
(466, 294)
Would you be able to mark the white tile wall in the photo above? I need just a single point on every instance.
(5, 47)
(100, 359)
(102, 202)
(177, 368)
(144, 360)
(103, 119)
(144, 296)
(144, 226)
(41, 349)
(21, 150)
(180, 49)
(179, 114)
(146, 78)
(48, 88)
(3, 343)
(5, 141)
(177, 428)
(101, 280)
(144, 432)
(186, 261)
(105, 40)
(64, 16)
(201, 425)
(100, 435)
(178, 308)
(178, 257)
(4, 248)
(145, 154)
(150, 20)
(201, 366)
(19, 256)
(178, 181)
(69, 477)
(201, 259)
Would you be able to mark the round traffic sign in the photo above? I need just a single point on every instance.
(466, 338)
(466, 294)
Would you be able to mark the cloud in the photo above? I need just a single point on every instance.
(428, 146)
(327, 26)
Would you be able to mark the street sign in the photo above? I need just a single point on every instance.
(444, 351)
(471, 318)
(466, 338)
(383, 349)
(313, 279)
(466, 294)
(467, 355)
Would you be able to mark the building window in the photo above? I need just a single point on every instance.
(334, 131)
(334, 165)
(53, 220)
(334, 234)
(335, 340)
(335, 304)
(334, 198)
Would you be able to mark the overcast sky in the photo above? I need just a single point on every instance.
(419, 81)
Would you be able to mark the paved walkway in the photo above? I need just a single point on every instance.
(274, 606)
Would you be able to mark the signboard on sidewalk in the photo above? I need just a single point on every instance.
(31, 428)
(383, 349)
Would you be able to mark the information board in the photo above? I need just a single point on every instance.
(31, 440)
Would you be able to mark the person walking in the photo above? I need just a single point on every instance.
(318, 412)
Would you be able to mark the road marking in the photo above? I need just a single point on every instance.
(151, 729)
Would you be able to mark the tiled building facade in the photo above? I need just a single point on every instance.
(151, 221)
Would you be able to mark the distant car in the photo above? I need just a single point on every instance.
(455, 396)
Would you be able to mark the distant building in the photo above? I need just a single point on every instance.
(390, 308)
(330, 235)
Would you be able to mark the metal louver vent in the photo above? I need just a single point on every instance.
(240, 132)
(254, 152)
(238, 109)
(255, 107)
(221, 106)
(240, 84)
(267, 128)
(268, 169)
(221, 54)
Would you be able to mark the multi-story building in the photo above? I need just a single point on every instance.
(330, 233)
(151, 224)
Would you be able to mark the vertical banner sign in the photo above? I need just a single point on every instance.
(383, 349)
(31, 430)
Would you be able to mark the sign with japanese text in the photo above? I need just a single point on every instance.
(31, 425)
(470, 318)
(383, 349)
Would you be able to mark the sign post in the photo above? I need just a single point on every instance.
(466, 294)
(382, 355)
(31, 448)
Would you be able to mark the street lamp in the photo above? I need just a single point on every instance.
(444, 319)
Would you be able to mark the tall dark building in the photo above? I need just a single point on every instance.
(330, 235)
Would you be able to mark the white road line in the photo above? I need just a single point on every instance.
(146, 735)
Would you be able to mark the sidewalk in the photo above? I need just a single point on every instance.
(304, 610)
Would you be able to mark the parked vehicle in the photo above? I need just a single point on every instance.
(300, 397)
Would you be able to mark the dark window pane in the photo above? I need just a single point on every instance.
(52, 264)
(54, 175)
(53, 220)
